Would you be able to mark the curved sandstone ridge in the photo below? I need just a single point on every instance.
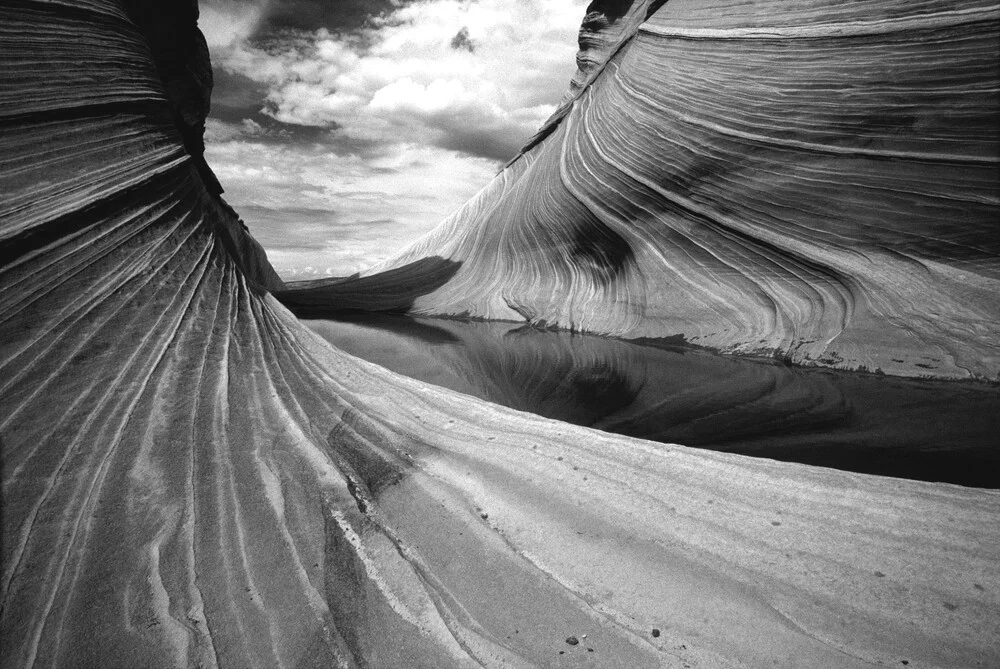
(807, 179)
(193, 478)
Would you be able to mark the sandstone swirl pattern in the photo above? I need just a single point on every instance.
(807, 179)
(192, 478)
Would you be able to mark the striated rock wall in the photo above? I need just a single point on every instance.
(92, 120)
(190, 478)
(813, 180)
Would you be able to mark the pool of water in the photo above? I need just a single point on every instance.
(928, 430)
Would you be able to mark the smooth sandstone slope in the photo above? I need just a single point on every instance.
(813, 180)
(192, 478)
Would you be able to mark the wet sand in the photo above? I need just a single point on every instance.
(926, 430)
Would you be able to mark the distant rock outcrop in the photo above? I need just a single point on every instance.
(812, 180)
(191, 478)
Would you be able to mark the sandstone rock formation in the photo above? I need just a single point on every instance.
(192, 478)
(813, 180)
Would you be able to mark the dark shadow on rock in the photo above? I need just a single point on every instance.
(601, 13)
(180, 54)
(394, 290)
(326, 647)
(364, 453)
(598, 251)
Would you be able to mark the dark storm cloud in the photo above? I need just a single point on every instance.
(337, 16)
(277, 16)
(237, 99)
(482, 143)
(461, 41)
(424, 73)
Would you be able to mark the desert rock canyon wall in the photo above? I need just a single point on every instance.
(812, 180)
(191, 478)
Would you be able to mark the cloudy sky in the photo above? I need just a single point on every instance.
(342, 130)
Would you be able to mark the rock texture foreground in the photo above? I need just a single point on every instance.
(192, 478)
(814, 180)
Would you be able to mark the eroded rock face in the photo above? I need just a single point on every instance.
(812, 180)
(192, 478)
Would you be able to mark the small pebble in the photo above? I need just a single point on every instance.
(572, 641)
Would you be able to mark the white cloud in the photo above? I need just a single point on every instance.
(339, 214)
(407, 95)
(217, 131)
(404, 76)
(416, 125)
(228, 22)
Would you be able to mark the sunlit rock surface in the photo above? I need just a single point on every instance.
(192, 478)
(814, 180)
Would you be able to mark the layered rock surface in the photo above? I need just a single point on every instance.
(192, 478)
(813, 180)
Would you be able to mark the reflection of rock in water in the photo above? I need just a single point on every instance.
(555, 374)
(917, 429)
(753, 402)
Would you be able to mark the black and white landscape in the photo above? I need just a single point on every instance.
(704, 375)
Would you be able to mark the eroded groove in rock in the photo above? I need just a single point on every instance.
(811, 180)
(192, 478)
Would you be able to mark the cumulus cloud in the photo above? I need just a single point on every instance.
(217, 132)
(317, 211)
(414, 74)
(415, 102)
(228, 22)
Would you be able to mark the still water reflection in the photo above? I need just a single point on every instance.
(934, 431)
